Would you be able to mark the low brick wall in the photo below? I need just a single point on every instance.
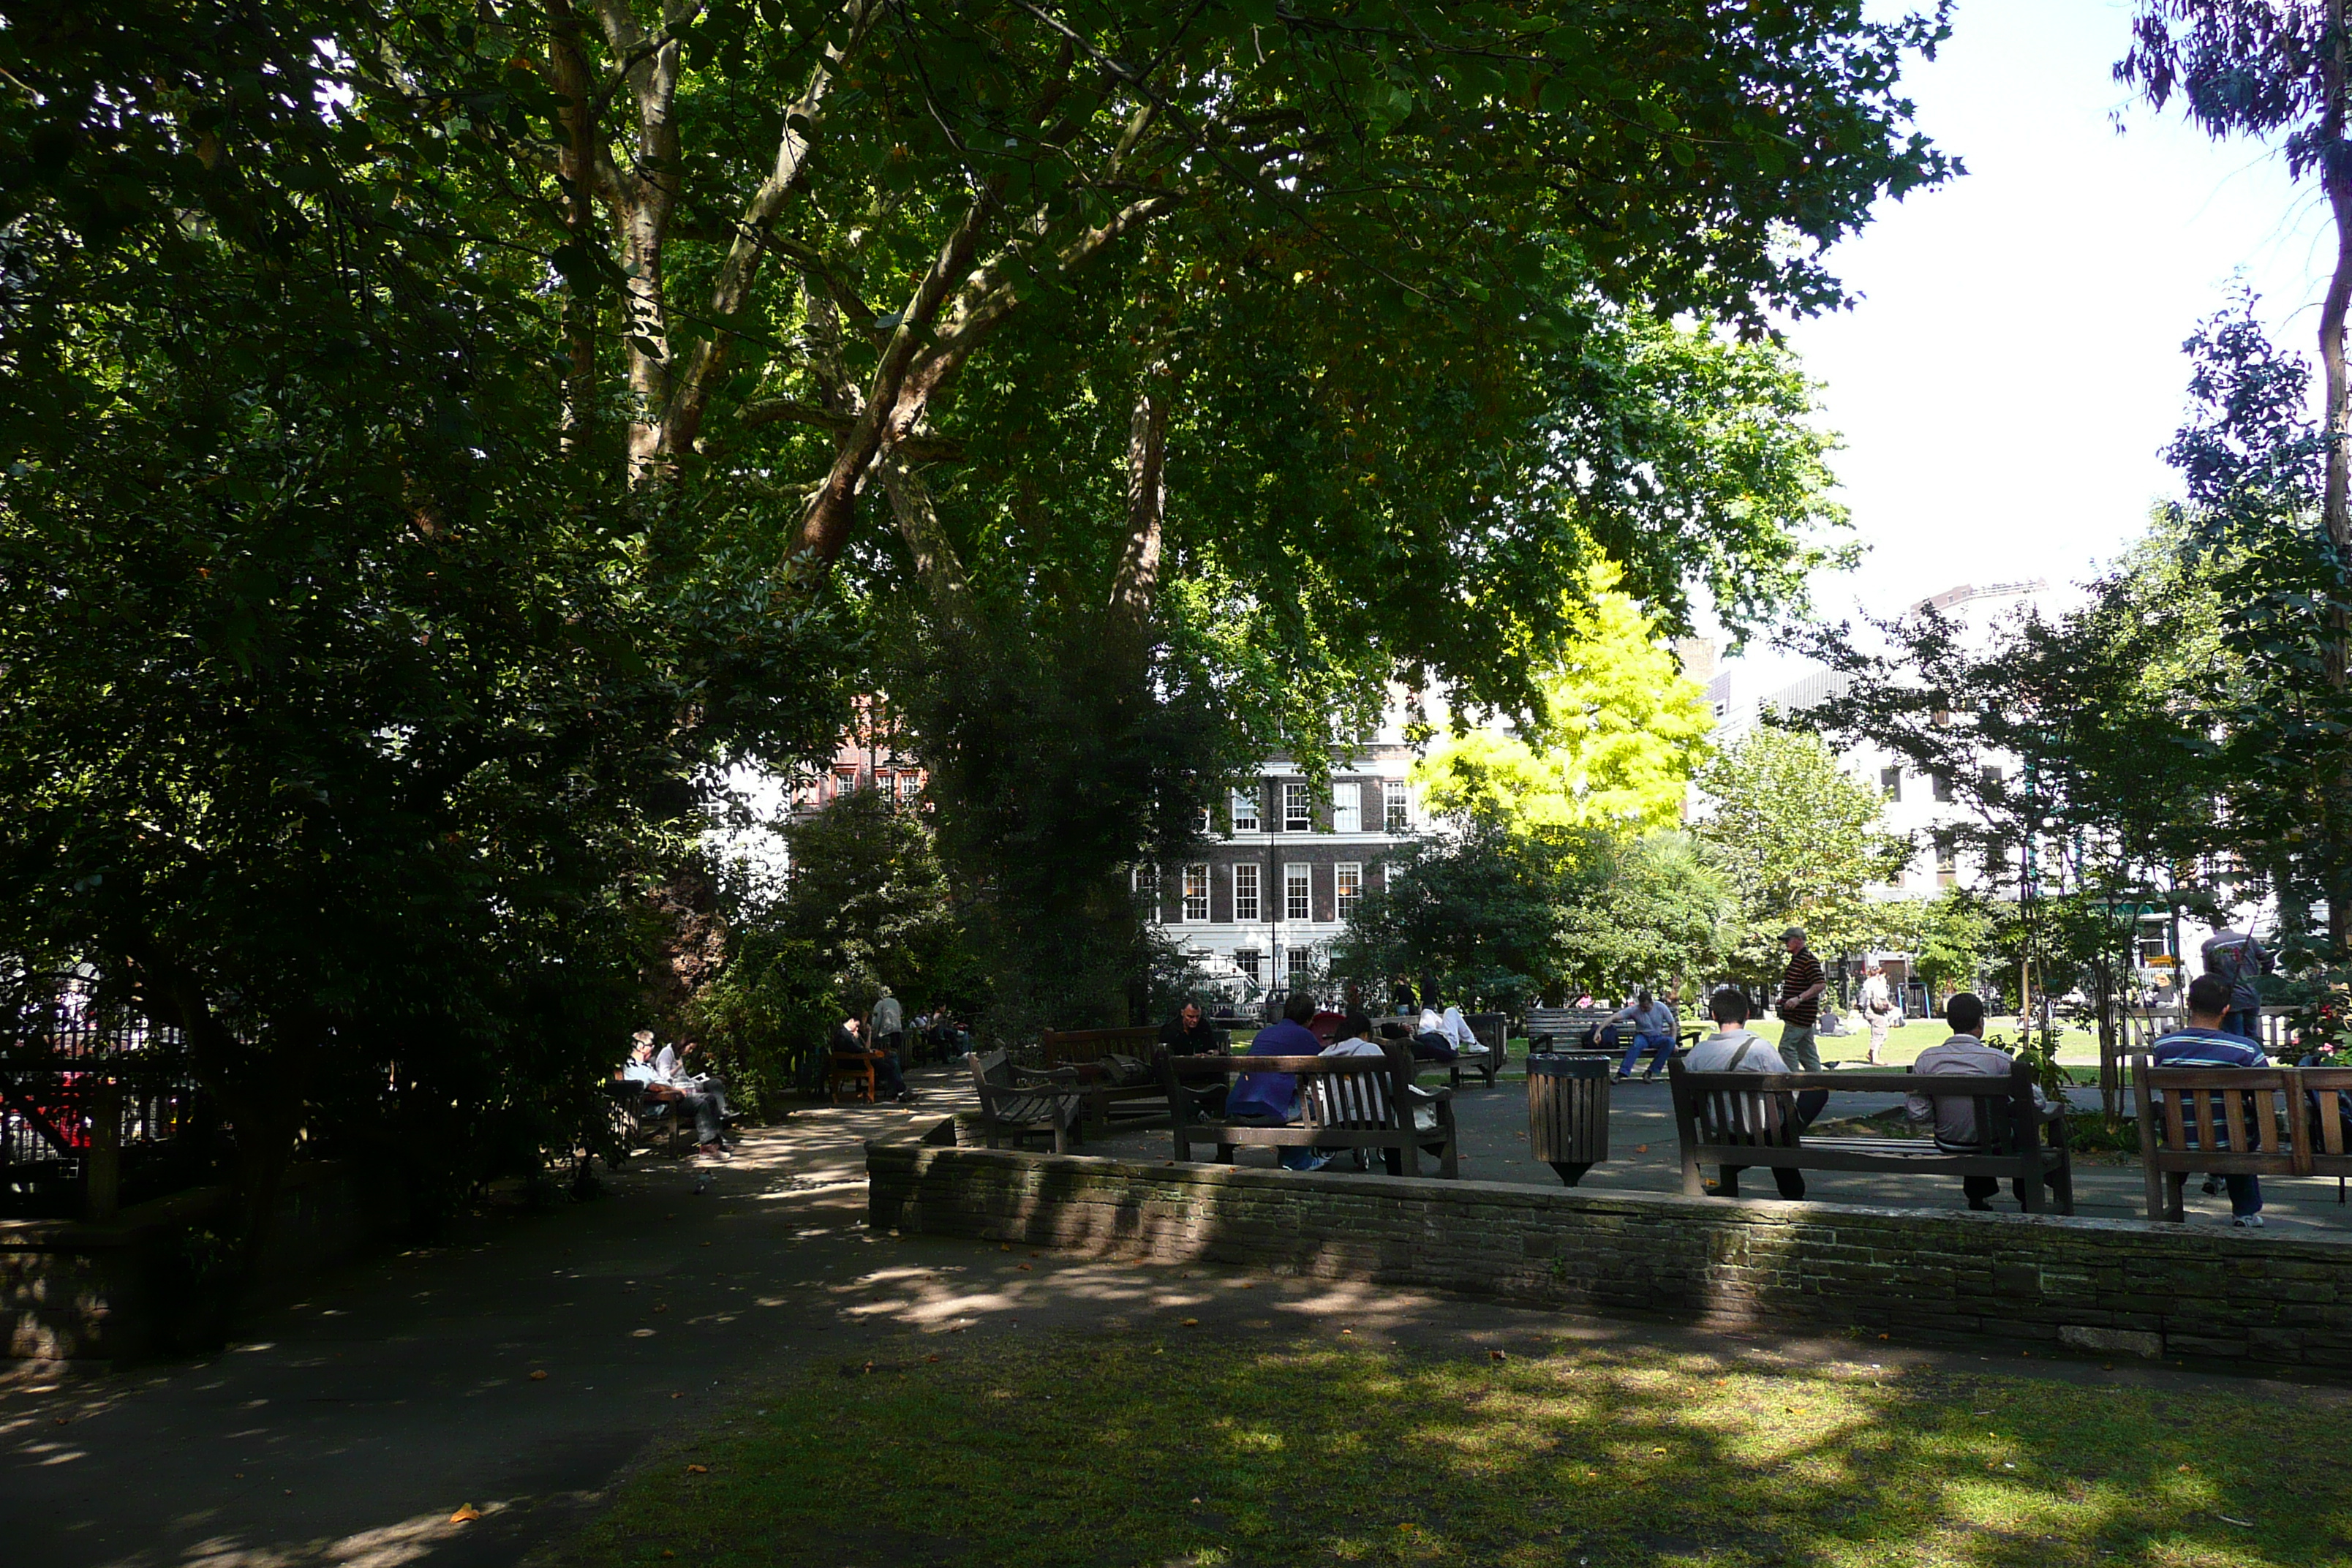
(131, 1287)
(2106, 1286)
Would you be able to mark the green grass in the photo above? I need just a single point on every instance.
(1178, 1447)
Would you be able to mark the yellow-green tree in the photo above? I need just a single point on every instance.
(1624, 733)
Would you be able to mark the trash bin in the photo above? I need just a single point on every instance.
(1568, 1110)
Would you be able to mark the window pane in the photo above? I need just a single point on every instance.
(1397, 817)
(1298, 886)
(1297, 810)
(1196, 892)
(1297, 961)
(1350, 887)
(1890, 781)
(1246, 817)
(1147, 880)
(1348, 807)
(1245, 905)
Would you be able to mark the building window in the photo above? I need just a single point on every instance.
(1398, 816)
(1203, 825)
(1348, 807)
(1246, 817)
(1948, 863)
(1245, 960)
(1299, 962)
(1890, 783)
(1943, 788)
(1196, 892)
(1297, 892)
(1297, 809)
(1992, 777)
(1245, 904)
(844, 782)
(1350, 885)
(1147, 882)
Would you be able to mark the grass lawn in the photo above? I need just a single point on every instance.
(1185, 1447)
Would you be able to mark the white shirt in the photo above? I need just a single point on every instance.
(1456, 1028)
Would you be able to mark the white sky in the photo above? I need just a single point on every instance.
(2013, 365)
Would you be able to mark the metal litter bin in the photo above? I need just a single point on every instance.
(1568, 1110)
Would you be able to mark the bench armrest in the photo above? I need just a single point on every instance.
(1428, 1096)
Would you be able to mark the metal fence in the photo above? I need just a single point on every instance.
(97, 1104)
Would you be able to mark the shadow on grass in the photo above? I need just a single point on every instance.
(1199, 1446)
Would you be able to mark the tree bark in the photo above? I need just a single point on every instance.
(1135, 589)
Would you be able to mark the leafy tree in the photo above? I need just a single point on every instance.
(1474, 913)
(869, 904)
(1655, 911)
(348, 718)
(1949, 937)
(1622, 732)
(1800, 842)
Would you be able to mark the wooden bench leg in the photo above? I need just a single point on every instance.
(2174, 1181)
(2030, 1191)
(1693, 1184)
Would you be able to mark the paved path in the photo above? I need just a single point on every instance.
(345, 1428)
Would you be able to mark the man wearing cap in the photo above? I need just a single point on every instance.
(1801, 984)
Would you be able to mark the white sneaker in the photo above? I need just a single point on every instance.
(2247, 1222)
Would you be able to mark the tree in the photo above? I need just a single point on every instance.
(1474, 913)
(1655, 911)
(1800, 842)
(1622, 733)
(348, 719)
(1949, 937)
(2256, 68)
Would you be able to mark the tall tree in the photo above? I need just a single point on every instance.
(1622, 732)
(1801, 842)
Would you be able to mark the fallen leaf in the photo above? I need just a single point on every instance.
(1640, 1148)
(539, 1375)
(1023, 1267)
(467, 1513)
(930, 1358)
(678, 1396)
(698, 1470)
(1247, 1285)
(641, 1333)
(1346, 1331)
(1657, 1450)
(2231, 1519)
(661, 1306)
(1496, 1355)
(1886, 1336)
(1192, 1323)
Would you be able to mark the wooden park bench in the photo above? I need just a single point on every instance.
(1362, 1102)
(2238, 1121)
(1081, 1054)
(1488, 1027)
(1749, 1119)
(1563, 1028)
(851, 1070)
(1017, 1102)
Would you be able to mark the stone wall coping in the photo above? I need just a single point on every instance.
(919, 1144)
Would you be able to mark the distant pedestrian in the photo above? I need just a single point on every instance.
(1879, 1009)
(2235, 956)
(888, 1027)
(1801, 984)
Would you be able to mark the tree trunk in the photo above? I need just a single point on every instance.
(1135, 590)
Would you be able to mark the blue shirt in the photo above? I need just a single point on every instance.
(1273, 1093)
(2195, 1046)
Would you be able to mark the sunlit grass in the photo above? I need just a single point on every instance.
(1181, 1448)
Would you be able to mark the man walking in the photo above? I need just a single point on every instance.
(1879, 1008)
(2236, 957)
(1801, 984)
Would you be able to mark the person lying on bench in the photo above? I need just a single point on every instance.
(1431, 1043)
(1964, 1053)
(1733, 1048)
(1271, 1098)
(2206, 1042)
(706, 1102)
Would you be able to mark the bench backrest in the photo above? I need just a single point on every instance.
(1565, 1026)
(1358, 1091)
(1758, 1111)
(1073, 1047)
(2244, 1110)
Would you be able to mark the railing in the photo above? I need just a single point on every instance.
(96, 1103)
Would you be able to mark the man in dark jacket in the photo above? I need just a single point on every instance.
(1188, 1034)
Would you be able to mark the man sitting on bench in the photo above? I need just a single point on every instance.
(1271, 1098)
(2206, 1042)
(1733, 1048)
(1956, 1117)
(706, 1100)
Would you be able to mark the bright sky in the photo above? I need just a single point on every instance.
(2013, 367)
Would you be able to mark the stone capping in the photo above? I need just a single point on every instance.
(2109, 1287)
